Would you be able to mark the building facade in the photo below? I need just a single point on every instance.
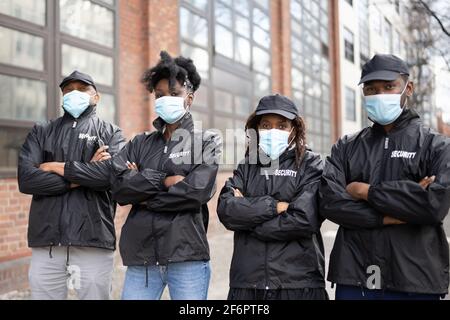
(244, 49)
(367, 27)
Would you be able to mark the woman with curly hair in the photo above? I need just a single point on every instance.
(168, 183)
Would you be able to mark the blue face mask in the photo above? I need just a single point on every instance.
(76, 102)
(170, 109)
(273, 142)
(384, 109)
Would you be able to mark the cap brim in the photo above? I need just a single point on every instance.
(384, 75)
(283, 113)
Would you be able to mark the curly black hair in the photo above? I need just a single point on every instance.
(180, 69)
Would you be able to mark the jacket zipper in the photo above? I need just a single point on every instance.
(155, 243)
(383, 163)
(382, 178)
(74, 125)
(266, 249)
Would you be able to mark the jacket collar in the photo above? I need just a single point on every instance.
(186, 123)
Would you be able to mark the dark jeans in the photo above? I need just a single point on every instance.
(344, 292)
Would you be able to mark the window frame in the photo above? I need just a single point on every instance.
(353, 114)
(53, 40)
(317, 111)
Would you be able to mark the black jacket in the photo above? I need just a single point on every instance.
(413, 257)
(59, 215)
(273, 251)
(164, 225)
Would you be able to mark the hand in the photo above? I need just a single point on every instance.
(391, 221)
(425, 182)
(237, 193)
(282, 207)
(132, 166)
(358, 190)
(172, 180)
(46, 166)
(101, 154)
(53, 167)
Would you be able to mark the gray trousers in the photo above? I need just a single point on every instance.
(86, 270)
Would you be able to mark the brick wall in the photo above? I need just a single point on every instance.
(14, 208)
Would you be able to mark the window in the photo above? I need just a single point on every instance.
(349, 46)
(364, 31)
(29, 58)
(397, 6)
(396, 43)
(387, 36)
(375, 18)
(229, 41)
(311, 69)
(350, 104)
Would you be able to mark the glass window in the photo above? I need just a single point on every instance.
(262, 85)
(261, 19)
(110, 2)
(224, 42)
(224, 14)
(364, 30)
(243, 106)
(21, 49)
(225, 100)
(261, 60)
(193, 27)
(311, 69)
(349, 45)
(261, 37)
(201, 117)
(243, 51)
(22, 99)
(396, 42)
(100, 67)
(350, 104)
(387, 36)
(199, 4)
(243, 7)
(29, 10)
(106, 109)
(11, 141)
(243, 26)
(263, 3)
(201, 97)
(376, 20)
(200, 58)
(87, 20)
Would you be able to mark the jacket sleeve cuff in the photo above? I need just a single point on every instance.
(371, 200)
(68, 171)
(272, 207)
(155, 177)
(371, 196)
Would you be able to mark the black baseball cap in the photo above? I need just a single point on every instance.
(385, 67)
(277, 104)
(78, 76)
